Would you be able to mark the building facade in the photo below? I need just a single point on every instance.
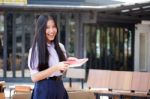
(108, 41)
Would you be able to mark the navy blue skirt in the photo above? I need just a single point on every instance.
(49, 89)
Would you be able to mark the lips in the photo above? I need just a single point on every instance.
(50, 37)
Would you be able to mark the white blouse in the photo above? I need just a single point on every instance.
(53, 60)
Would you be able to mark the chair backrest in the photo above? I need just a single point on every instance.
(78, 73)
(21, 96)
(22, 89)
(98, 78)
(140, 81)
(75, 73)
(115, 80)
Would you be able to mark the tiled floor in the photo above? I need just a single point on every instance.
(9, 86)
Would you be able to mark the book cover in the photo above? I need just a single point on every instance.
(77, 63)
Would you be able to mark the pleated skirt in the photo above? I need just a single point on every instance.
(49, 89)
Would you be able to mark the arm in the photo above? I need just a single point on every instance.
(45, 73)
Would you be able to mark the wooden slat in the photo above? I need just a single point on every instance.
(120, 80)
(124, 81)
(113, 84)
(98, 78)
(140, 81)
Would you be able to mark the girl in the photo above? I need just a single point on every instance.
(46, 61)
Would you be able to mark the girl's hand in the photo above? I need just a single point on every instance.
(62, 66)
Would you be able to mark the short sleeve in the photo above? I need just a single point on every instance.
(63, 49)
(34, 64)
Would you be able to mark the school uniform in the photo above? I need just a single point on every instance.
(51, 87)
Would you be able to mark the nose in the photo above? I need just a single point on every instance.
(50, 31)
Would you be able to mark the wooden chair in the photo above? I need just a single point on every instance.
(22, 92)
(111, 80)
(98, 83)
(76, 73)
(123, 84)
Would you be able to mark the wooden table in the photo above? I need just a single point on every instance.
(2, 96)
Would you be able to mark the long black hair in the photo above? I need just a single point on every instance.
(40, 42)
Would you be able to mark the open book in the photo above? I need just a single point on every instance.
(78, 62)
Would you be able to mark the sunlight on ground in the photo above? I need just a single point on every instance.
(132, 1)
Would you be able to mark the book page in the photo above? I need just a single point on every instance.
(78, 62)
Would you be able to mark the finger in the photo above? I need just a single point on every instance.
(66, 62)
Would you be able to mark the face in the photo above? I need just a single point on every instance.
(51, 31)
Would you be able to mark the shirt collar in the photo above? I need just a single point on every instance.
(51, 44)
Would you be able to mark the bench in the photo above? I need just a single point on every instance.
(119, 83)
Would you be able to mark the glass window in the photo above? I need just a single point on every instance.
(72, 35)
(9, 31)
(28, 21)
(109, 47)
(1, 42)
(63, 29)
(1, 22)
(19, 42)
